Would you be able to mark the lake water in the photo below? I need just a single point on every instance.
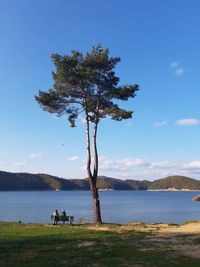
(116, 206)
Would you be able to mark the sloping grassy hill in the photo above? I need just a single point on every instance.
(176, 182)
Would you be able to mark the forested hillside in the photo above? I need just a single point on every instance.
(33, 182)
(26, 181)
(176, 182)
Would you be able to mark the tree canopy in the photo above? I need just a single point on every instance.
(86, 83)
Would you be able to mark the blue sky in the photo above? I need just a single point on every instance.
(158, 42)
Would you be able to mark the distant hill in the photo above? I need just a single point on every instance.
(28, 182)
(138, 185)
(176, 182)
(40, 182)
(117, 184)
(104, 182)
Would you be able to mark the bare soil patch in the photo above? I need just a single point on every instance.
(86, 244)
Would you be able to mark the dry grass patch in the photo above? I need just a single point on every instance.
(86, 244)
(175, 238)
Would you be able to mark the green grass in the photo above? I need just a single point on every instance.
(196, 241)
(37, 245)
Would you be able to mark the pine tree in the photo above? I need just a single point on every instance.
(87, 84)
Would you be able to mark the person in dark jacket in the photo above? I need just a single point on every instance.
(63, 212)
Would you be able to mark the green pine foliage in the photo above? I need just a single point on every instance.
(86, 83)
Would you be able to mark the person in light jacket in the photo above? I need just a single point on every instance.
(55, 217)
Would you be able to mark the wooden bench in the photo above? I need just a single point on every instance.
(63, 219)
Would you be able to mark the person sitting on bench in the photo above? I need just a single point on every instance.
(63, 213)
(55, 217)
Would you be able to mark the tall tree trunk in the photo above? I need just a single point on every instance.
(92, 178)
(88, 148)
(95, 174)
(96, 161)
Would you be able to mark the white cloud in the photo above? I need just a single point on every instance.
(124, 168)
(164, 164)
(73, 158)
(174, 64)
(2, 163)
(193, 165)
(20, 163)
(140, 169)
(39, 155)
(188, 122)
(159, 123)
(176, 68)
(102, 158)
(120, 167)
(179, 71)
(133, 162)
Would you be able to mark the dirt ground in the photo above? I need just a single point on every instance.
(179, 239)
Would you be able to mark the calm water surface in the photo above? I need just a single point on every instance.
(117, 206)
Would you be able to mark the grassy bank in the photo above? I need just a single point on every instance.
(108, 245)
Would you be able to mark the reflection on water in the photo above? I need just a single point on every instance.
(117, 206)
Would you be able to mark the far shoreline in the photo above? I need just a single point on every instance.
(172, 190)
(105, 190)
